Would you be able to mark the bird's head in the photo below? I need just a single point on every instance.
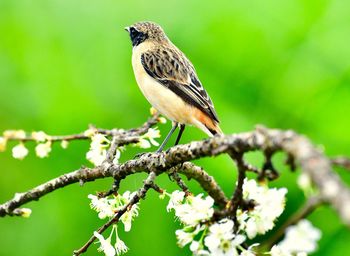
(144, 31)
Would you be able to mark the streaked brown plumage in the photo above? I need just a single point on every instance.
(169, 81)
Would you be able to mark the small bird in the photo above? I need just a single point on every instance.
(169, 81)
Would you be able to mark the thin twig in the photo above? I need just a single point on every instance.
(250, 168)
(111, 154)
(125, 136)
(310, 205)
(176, 177)
(141, 193)
(112, 150)
(268, 170)
(236, 199)
(341, 161)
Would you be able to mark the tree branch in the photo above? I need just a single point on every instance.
(173, 174)
(141, 193)
(311, 160)
(236, 199)
(207, 182)
(123, 136)
(85, 174)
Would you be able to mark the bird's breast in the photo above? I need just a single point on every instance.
(160, 97)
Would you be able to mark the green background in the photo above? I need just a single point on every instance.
(66, 64)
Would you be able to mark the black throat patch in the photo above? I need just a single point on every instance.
(137, 37)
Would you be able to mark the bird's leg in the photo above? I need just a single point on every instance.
(167, 137)
(182, 128)
(175, 124)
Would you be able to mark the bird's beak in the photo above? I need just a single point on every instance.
(127, 29)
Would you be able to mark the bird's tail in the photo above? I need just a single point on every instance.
(215, 130)
(207, 124)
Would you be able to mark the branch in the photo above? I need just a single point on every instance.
(85, 174)
(236, 199)
(141, 193)
(311, 160)
(124, 136)
(173, 174)
(207, 182)
(311, 204)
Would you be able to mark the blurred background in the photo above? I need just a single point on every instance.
(67, 64)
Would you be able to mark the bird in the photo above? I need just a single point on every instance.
(169, 81)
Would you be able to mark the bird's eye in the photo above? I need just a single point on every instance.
(136, 36)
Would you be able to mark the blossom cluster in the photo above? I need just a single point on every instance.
(98, 146)
(204, 237)
(299, 240)
(222, 238)
(269, 205)
(20, 151)
(98, 149)
(148, 139)
(107, 208)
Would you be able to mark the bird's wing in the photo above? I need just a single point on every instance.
(173, 70)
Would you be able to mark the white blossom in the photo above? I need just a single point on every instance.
(197, 249)
(221, 240)
(98, 141)
(19, 151)
(90, 132)
(43, 149)
(117, 156)
(176, 199)
(185, 236)
(152, 134)
(269, 205)
(3, 142)
(301, 237)
(120, 246)
(162, 194)
(108, 207)
(143, 143)
(195, 210)
(277, 250)
(128, 217)
(194, 246)
(149, 138)
(152, 111)
(40, 136)
(64, 144)
(249, 251)
(96, 156)
(106, 246)
(162, 120)
(98, 146)
(102, 206)
(26, 212)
